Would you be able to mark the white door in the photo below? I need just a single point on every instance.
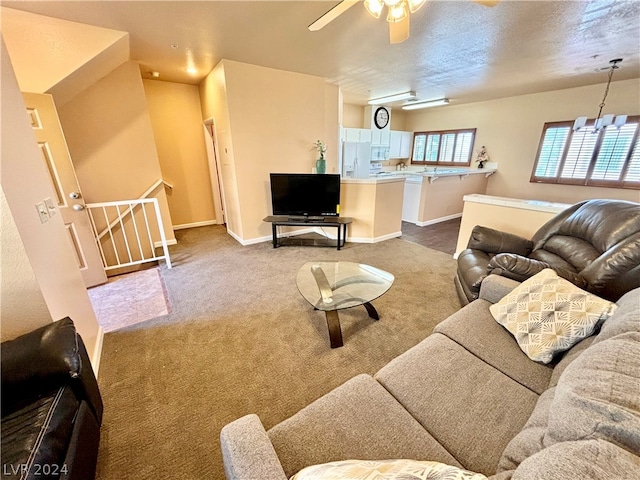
(46, 126)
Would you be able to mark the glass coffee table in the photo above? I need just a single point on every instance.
(333, 286)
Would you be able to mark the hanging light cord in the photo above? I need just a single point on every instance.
(614, 65)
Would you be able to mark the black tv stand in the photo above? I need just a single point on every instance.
(307, 218)
(316, 221)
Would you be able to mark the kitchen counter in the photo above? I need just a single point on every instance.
(433, 173)
(374, 180)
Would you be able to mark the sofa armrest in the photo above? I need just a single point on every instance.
(35, 363)
(520, 268)
(494, 287)
(514, 266)
(247, 452)
(494, 241)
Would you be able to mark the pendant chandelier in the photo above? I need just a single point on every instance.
(606, 120)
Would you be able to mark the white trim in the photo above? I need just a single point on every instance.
(235, 237)
(374, 240)
(269, 238)
(172, 241)
(535, 205)
(97, 351)
(438, 220)
(196, 224)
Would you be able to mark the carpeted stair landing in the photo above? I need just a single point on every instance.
(241, 339)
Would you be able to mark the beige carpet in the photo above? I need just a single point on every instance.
(240, 339)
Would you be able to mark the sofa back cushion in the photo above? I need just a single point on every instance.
(597, 396)
(592, 404)
(600, 223)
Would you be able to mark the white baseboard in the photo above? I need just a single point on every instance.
(375, 239)
(195, 224)
(97, 352)
(269, 238)
(438, 220)
(173, 241)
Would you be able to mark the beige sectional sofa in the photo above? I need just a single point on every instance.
(468, 396)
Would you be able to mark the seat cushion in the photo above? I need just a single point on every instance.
(476, 330)
(469, 407)
(39, 434)
(358, 420)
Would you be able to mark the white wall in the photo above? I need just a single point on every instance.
(176, 118)
(511, 128)
(111, 141)
(22, 306)
(273, 118)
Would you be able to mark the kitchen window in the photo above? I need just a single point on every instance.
(607, 158)
(445, 147)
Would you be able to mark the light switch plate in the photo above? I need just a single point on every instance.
(50, 206)
(43, 212)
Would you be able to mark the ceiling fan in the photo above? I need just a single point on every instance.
(397, 16)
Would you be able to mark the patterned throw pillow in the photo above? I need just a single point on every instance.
(385, 470)
(548, 314)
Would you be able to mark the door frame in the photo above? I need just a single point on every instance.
(215, 173)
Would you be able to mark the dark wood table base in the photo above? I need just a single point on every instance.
(333, 324)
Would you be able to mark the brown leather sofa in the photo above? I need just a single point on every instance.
(595, 244)
(51, 406)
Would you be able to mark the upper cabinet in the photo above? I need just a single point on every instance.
(400, 144)
(358, 135)
(380, 137)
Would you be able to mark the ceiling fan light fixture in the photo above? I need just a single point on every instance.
(414, 5)
(374, 7)
(398, 12)
(425, 104)
(392, 98)
(392, 3)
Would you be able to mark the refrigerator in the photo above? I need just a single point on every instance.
(356, 159)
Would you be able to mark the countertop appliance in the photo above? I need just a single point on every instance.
(356, 159)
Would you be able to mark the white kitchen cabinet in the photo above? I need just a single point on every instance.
(365, 135)
(411, 201)
(406, 140)
(357, 135)
(400, 144)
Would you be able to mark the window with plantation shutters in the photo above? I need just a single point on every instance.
(607, 158)
(450, 147)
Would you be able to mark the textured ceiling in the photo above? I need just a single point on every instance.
(457, 49)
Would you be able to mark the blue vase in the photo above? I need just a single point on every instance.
(321, 165)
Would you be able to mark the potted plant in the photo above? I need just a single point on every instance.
(482, 157)
(321, 164)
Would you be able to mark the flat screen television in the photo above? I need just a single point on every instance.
(305, 194)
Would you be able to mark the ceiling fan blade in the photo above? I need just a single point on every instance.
(332, 14)
(487, 3)
(399, 31)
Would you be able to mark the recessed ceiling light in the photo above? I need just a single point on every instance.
(174, 46)
(155, 74)
(192, 70)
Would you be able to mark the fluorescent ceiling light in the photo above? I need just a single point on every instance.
(392, 98)
(425, 104)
